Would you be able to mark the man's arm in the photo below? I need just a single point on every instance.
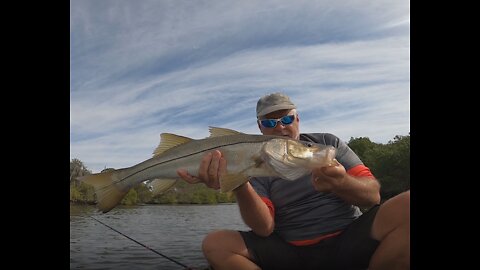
(254, 211)
(360, 191)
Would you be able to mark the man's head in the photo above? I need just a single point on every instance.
(281, 115)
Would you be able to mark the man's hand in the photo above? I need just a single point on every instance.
(326, 179)
(212, 166)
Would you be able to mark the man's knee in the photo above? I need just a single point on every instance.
(403, 202)
(393, 214)
(405, 198)
(222, 240)
(211, 241)
(400, 205)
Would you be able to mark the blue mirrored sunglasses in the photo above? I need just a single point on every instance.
(271, 123)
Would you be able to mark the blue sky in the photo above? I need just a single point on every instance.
(140, 68)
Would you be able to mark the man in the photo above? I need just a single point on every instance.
(313, 222)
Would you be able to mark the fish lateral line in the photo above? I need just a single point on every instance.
(184, 156)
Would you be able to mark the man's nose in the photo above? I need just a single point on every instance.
(279, 126)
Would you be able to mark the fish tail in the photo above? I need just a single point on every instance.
(108, 193)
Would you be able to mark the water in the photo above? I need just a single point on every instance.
(176, 231)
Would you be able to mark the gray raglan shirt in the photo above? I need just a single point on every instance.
(301, 212)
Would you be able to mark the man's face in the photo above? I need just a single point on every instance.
(280, 129)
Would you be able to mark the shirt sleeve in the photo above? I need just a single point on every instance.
(262, 186)
(270, 206)
(360, 171)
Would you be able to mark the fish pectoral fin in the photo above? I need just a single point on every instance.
(160, 185)
(230, 182)
(169, 140)
(218, 132)
(285, 170)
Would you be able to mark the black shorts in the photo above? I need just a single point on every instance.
(350, 250)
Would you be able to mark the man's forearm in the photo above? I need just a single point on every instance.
(254, 211)
(358, 191)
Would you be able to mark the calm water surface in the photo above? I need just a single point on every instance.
(176, 231)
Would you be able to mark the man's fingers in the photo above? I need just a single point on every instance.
(212, 165)
(222, 167)
(187, 177)
(222, 170)
(213, 169)
(204, 164)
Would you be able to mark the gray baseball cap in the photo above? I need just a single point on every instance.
(273, 102)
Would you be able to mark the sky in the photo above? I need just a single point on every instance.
(141, 68)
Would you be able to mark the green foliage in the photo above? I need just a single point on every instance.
(184, 193)
(80, 192)
(131, 198)
(204, 196)
(225, 197)
(77, 169)
(143, 193)
(75, 194)
(166, 198)
(390, 163)
(361, 145)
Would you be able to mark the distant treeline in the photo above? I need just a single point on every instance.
(390, 163)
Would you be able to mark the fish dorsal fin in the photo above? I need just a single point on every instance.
(169, 140)
(217, 132)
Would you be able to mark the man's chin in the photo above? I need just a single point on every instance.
(286, 135)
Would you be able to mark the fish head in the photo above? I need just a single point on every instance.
(299, 153)
(292, 159)
(308, 154)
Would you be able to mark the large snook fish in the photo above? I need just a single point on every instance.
(246, 155)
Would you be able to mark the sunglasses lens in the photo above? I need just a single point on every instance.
(269, 123)
(287, 119)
